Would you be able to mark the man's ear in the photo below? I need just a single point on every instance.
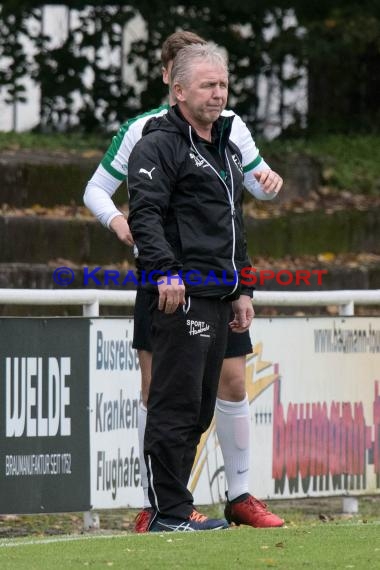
(178, 92)
(165, 75)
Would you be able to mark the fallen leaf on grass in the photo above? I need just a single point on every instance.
(269, 561)
(325, 518)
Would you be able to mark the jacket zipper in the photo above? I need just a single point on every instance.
(230, 200)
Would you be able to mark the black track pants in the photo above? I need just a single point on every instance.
(188, 350)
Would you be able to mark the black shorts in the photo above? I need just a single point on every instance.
(237, 344)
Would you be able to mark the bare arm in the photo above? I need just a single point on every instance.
(259, 179)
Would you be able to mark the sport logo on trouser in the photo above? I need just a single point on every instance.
(198, 327)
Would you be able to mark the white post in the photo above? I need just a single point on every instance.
(91, 309)
(350, 505)
(347, 310)
(90, 518)
(91, 521)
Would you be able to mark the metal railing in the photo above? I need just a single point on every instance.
(92, 299)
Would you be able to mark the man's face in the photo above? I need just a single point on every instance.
(204, 95)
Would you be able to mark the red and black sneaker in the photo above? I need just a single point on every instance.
(142, 520)
(250, 511)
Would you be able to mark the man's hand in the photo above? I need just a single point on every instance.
(269, 180)
(121, 228)
(244, 314)
(171, 293)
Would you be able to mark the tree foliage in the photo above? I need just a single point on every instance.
(16, 62)
(272, 45)
(342, 50)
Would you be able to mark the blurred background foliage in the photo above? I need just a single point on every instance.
(335, 44)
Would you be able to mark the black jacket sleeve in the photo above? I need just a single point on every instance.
(246, 287)
(150, 182)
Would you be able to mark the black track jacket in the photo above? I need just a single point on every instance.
(185, 197)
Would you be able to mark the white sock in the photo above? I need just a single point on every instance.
(141, 423)
(233, 426)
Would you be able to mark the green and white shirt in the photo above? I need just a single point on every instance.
(113, 169)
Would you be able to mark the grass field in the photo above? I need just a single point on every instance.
(343, 545)
(333, 545)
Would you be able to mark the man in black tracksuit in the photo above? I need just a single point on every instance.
(185, 183)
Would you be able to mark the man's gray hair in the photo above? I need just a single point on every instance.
(188, 55)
